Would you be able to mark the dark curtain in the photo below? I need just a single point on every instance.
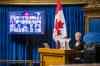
(15, 46)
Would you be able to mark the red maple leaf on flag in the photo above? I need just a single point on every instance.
(58, 26)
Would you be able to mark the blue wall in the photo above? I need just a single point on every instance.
(25, 46)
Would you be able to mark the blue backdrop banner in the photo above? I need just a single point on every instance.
(16, 47)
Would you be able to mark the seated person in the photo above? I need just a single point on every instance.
(77, 44)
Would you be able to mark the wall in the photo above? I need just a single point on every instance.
(91, 11)
(39, 1)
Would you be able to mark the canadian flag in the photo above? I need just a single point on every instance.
(60, 29)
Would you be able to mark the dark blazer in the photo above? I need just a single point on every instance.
(79, 47)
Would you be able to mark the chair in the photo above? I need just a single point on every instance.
(91, 39)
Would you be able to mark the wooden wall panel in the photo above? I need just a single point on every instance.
(91, 12)
(40, 1)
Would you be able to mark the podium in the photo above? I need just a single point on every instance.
(55, 56)
(49, 57)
